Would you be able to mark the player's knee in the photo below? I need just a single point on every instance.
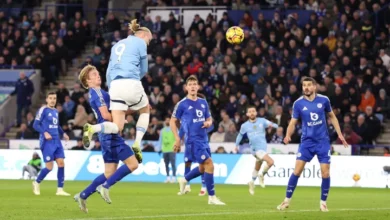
(270, 163)
(325, 174)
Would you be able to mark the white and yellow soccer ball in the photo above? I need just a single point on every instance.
(235, 35)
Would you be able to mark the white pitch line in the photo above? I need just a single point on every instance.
(226, 213)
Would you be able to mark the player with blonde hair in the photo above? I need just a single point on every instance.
(128, 65)
(114, 148)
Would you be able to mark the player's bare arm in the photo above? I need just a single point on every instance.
(336, 125)
(66, 137)
(290, 130)
(173, 123)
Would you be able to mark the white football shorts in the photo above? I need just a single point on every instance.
(127, 93)
(259, 155)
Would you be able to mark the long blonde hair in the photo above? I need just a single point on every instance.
(83, 77)
(135, 27)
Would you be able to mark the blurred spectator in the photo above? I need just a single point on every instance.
(148, 148)
(367, 100)
(220, 150)
(386, 151)
(33, 167)
(383, 104)
(361, 129)
(79, 145)
(69, 107)
(350, 136)
(24, 89)
(97, 146)
(218, 136)
(62, 92)
(277, 138)
(68, 131)
(80, 118)
(226, 121)
(167, 141)
(24, 133)
(231, 134)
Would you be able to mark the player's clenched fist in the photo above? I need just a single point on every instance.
(47, 136)
(286, 140)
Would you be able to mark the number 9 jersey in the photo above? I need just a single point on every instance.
(128, 65)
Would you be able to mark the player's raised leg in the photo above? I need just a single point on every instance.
(126, 155)
(292, 184)
(105, 128)
(269, 163)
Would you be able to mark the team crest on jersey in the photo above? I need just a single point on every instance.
(202, 106)
(319, 105)
(199, 113)
(55, 121)
(50, 114)
(299, 154)
(48, 158)
(254, 127)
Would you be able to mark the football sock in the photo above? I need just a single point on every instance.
(254, 174)
(186, 171)
(142, 125)
(209, 179)
(203, 181)
(265, 169)
(117, 176)
(292, 183)
(60, 177)
(105, 128)
(325, 186)
(92, 187)
(193, 174)
(42, 175)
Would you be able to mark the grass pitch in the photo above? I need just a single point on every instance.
(160, 201)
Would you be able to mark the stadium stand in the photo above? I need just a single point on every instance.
(344, 45)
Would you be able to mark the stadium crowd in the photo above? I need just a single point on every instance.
(342, 49)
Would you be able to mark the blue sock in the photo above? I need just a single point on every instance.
(60, 177)
(42, 175)
(203, 182)
(186, 171)
(193, 174)
(92, 187)
(292, 183)
(209, 179)
(325, 186)
(117, 176)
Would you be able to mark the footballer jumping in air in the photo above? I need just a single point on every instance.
(256, 129)
(192, 113)
(114, 148)
(128, 65)
(312, 109)
(50, 132)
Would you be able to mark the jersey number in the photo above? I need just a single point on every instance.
(119, 51)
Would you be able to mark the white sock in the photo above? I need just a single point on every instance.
(106, 128)
(254, 174)
(142, 126)
(265, 169)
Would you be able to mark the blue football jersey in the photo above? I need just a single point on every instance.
(256, 132)
(192, 115)
(46, 120)
(313, 117)
(128, 59)
(99, 98)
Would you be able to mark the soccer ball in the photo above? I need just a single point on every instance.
(356, 177)
(235, 35)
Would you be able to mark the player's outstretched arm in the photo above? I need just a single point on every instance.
(290, 130)
(336, 125)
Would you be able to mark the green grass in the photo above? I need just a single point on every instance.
(160, 201)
